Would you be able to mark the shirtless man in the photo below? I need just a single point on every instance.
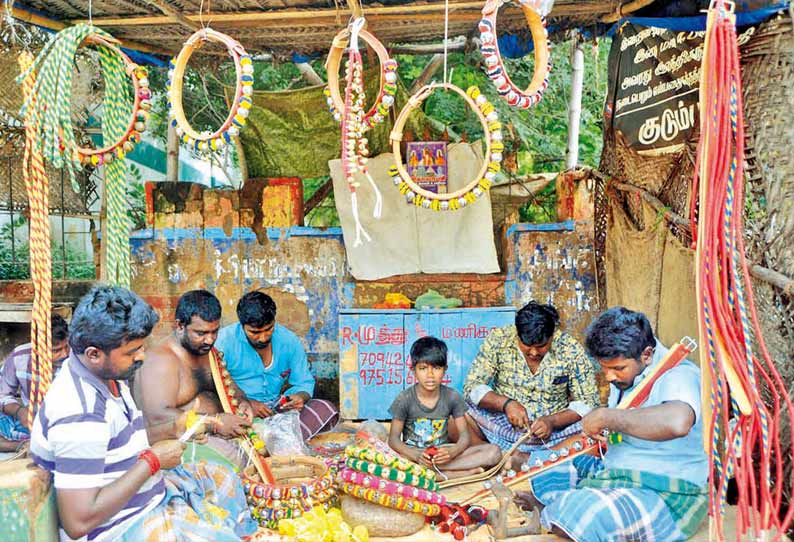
(176, 377)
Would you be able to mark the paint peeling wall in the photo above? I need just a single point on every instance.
(301, 268)
(554, 263)
(305, 271)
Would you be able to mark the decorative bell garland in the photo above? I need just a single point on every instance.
(495, 68)
(457, 519)
(251, 444)
(391, 488)
(389, 460)
(142, 104)
(273, 502)
(241, 105)
(389, 473)
(388, 79)
(390, 501)
(354, 145)
(452, 201)
(125, 116)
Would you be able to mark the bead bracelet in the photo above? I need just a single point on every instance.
(388, 460)
(391, 488)
(269, 517)
(390, 501)
(389, 473)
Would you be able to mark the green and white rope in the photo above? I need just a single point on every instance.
(55, 132)
(114, 126)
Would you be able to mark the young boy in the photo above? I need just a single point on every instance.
(421, 414)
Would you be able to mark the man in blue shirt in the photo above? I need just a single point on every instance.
(652, 485)
(264, 357)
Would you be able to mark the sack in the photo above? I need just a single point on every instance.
(379, 520)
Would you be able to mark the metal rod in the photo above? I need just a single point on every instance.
(63, 228)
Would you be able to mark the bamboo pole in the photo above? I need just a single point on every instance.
(23, 15)
(171, 155)
(257, 16)
(625, 9)
(454, 45)
(575, 104)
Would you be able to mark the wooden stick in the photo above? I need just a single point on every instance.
(265, 474)
(454, 44)
(428, 72)
(284, 14)
(655, 202)
(774, 278)
(625, 9)
(178, 16)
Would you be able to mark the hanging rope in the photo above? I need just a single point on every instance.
(728, 319)
(117, 111)
(53, 132)
(37, 186)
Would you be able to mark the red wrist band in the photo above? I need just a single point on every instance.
(152, 460)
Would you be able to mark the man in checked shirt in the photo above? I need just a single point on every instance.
(529, 377)
(15, 386)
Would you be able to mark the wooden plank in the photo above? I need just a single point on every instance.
(319, 195)
(19, 313)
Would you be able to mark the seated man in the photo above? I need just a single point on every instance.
(90, 434)
(652, 485)
(15, 386)
(530, 377)
(262, 356)
(177, 377)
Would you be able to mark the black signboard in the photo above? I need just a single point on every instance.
(654, 76)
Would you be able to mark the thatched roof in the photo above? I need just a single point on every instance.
(161, 26)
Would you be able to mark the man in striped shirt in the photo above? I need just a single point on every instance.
(15, 377)
(90, 434)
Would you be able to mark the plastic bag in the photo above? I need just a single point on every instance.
(281, 434)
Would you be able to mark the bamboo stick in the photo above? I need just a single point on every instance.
(283, 15)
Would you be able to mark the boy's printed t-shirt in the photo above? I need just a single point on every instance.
(425, 426)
